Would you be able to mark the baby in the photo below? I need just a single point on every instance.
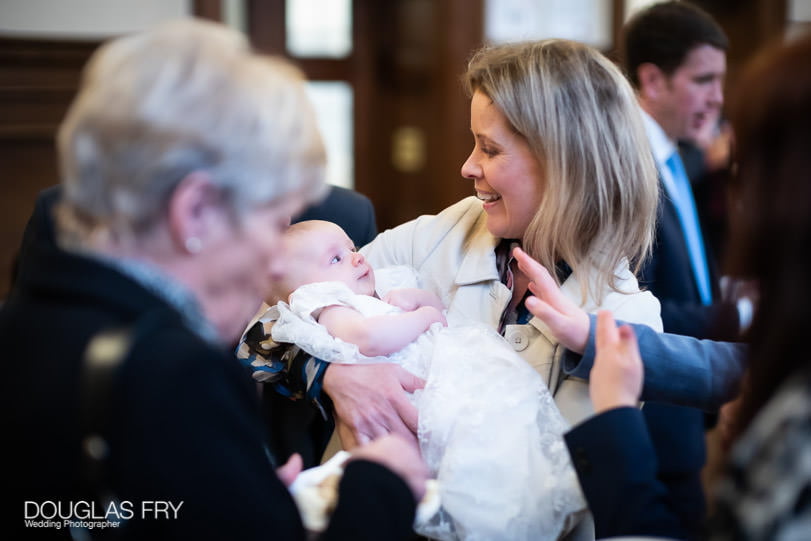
(488, 427)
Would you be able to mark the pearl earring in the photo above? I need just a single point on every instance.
(193, 245)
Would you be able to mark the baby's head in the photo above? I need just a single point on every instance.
(319, 251)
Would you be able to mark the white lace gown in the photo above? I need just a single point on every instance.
(488, 426)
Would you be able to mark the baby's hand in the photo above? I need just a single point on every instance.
(433, 315)
(409, 299)
(403, 299)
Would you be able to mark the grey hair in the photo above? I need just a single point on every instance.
(580, 117)
(186, 96)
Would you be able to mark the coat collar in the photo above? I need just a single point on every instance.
(570, 289)
(479, 262)
(85, 281)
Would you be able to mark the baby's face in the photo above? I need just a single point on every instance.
(326, 254)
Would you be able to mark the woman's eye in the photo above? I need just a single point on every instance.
(489, 151)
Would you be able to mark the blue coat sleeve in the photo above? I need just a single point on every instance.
(679, 370)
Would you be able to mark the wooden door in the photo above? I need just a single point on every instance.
(411, 127)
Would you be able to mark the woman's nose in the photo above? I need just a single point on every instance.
(470, 170)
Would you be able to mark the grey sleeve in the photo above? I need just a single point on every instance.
(679, 370)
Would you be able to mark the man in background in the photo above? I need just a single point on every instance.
(675, 57)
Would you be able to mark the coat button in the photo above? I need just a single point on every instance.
(517, 338)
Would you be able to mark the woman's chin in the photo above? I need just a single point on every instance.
(498, 227)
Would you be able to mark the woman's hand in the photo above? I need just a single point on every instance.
(400, 455)
(568, 322)
(371, 400)
(616, 378)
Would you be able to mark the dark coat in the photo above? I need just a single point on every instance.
(617, 468)
(294, 426)
(185, 417)
(668, 274)
(351, 210)
(678, 433)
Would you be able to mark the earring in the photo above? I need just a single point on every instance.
(193, 245)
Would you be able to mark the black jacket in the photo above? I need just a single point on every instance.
(185, 422)
(668, 274)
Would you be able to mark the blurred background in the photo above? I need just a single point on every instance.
(384, 78)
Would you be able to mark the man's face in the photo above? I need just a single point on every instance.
(693, 94)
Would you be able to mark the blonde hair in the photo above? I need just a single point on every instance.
(580, 117)
(185, 96)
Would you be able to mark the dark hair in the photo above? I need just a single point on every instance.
(665, 33)
(771, 215)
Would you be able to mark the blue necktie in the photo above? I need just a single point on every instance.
(686, 208)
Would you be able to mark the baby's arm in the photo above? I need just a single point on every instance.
(378, 335)
(409, 299)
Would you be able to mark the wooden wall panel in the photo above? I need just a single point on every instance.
(38, 80)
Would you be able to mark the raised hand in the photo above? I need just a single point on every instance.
(616, 377)
(568, 322)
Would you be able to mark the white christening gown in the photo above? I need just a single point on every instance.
(489, 429)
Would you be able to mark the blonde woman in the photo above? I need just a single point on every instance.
(561, 168)
(488, 426)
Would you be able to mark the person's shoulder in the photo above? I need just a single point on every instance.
(170, 350)
(414, 241)
(351, 210)
(341, 195)
(469, 206)
(463, 214)
(632, 304)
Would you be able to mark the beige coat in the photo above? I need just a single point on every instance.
(454, 254)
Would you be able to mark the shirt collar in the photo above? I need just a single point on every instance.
(661, 145)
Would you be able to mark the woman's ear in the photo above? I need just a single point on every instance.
(195, 213)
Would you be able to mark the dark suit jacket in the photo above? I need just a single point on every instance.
(617, 468)
(39, 232)
(677, 433)
(668, 274)
(185, 422)
(351, 210)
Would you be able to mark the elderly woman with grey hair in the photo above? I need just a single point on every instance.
(182, 159)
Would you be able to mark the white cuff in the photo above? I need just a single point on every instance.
(745, 313)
